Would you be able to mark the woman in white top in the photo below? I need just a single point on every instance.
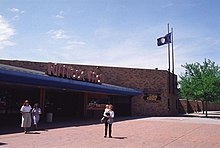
(36, 111)
(108, 123)
(26, 116)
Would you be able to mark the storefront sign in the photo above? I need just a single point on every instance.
(65, 71)
(151, 97)
(96, 106)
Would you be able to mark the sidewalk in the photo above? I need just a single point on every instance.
(211, 114)
(153, 132)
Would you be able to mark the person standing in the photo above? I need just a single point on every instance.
(106, 113)
(108, 123)
(36, 111)
(26, 116)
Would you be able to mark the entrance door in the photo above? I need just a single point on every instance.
(122, 105)
(12, 98)
(64, 103)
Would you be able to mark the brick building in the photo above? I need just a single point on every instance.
(132, 91)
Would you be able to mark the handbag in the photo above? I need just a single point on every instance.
(110, 121)
(104, 119)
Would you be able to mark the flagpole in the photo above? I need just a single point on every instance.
(168, 48)
(172, 60)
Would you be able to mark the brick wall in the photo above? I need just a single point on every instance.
(190, 106)
(183, 106)
(213, 107)
(143, 79)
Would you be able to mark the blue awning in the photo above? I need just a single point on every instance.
(38, 79)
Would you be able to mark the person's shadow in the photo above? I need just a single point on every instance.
(119, 137)
(32, 132)
(2, 143)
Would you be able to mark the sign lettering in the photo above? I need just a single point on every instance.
(151, 97)
(64, 71)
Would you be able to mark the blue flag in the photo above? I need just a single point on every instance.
(164, 40)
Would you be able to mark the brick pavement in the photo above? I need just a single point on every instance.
(154, 132)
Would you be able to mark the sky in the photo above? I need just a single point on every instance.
(119, 33)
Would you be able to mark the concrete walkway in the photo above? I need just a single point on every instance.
(152, 132)
(211, 114)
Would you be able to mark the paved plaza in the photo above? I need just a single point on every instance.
(152, 132)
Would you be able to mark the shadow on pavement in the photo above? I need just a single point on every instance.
(202, 116)
(43, 126)
(119, 137)
(32, 132)
(10, 127)
(211, 114)
(1, 143)
(14, 126)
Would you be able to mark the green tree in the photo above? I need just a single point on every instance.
(201, 81)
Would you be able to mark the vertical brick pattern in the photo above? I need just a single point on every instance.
(190, 106)
(183, 106)
(213, 107)
(142, 79)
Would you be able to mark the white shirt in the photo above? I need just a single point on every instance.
(36, 111)
(25, 109)
(106, 111)
(111, 112)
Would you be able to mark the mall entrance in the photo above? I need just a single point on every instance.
(62, 103)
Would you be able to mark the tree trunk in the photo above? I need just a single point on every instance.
(187, 106)
(206, 108)
(203, 107)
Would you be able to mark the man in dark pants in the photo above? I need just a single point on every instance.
(106, 129)
(109, 114)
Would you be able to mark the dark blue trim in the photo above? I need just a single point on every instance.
(16, 77)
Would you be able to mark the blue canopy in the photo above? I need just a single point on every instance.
(36, 78)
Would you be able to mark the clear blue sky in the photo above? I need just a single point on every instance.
(118, 33)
